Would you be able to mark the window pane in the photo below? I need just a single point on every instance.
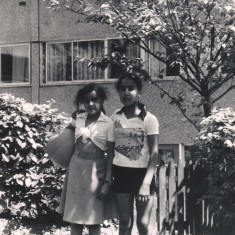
(172, 70)
(83, 51)
(157, 67)
(125, 48)
(15, 64)
(59, 62)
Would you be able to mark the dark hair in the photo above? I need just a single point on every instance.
(79, 98)
(136, 79)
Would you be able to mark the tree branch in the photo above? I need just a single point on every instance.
(177, 104)
(223, 94)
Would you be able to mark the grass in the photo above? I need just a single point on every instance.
(48, 225)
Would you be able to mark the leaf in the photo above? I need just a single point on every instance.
(28, 182)
(20, 143)
(34, 158)
(3, 203)
(45, 160)
(20, 181)
(5, 148)
(25, 213)
(19, 124)
(31, 141)
(34, 183)
(30, 133)
(34, 176)
(6, 158)
(88, 9)
(8, 138)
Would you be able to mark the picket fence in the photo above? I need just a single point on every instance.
(178, 211)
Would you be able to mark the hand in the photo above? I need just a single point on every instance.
(144, 193)
(103, 191)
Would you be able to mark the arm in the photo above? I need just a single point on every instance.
(153, 141)
(104, 190)
(74, 116)
(110, 156)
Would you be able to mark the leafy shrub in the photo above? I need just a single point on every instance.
(216, 145)
(30, 185)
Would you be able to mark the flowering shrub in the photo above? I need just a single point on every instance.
(218, 130)
(29, 183)
(216, 143)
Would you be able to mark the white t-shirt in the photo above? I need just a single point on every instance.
(131, 146)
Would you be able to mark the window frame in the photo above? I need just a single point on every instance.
(29, 65)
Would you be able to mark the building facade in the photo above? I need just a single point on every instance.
(42, 55)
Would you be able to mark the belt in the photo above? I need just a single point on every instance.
(88, 157)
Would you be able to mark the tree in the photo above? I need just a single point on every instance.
(197, 35)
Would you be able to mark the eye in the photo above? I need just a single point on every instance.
(131, 88)
(94, 99)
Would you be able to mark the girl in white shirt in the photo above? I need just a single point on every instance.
(85, 197)
(136, 156)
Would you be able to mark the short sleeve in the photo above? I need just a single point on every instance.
(151, 125)
(73, 122)
(111, 131)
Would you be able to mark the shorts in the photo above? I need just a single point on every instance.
(129, 180)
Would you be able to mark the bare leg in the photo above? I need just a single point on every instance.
(94, 229)
(76, 229)
(144, 211)
(125, 207)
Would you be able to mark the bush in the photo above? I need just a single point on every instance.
(30, 185)
(216, 145)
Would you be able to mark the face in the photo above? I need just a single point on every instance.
(128, 92)
(92, 103)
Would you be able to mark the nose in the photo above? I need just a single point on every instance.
(126, 91)
(90, 103)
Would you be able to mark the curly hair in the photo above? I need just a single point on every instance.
(80, 96)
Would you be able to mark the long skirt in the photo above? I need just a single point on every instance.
(79, 201)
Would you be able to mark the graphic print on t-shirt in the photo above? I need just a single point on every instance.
(129, 141)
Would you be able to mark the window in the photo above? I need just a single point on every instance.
(157, 67)
(87, 50)
(125, 48)
(14, 64)
(59, 62)
(68, 61)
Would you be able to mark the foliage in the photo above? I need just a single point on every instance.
(29, 183)
(197, 35)
(216, 145)
(218, 130)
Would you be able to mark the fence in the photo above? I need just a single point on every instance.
(178, 211)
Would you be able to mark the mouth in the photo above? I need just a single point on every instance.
(90, 109)
(126, 100)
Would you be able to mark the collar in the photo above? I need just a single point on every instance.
(142, 113)
(102, 117)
